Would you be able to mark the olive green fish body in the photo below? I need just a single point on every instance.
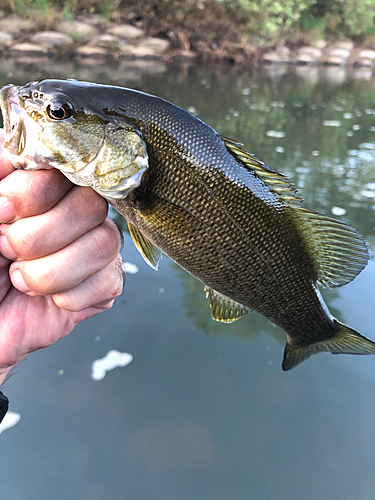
(204, 201)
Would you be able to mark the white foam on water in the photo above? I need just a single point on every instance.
(332, 123)
(347, 116)
(130, 268)
(338, 211)
(275, 133)
(9, 421)
(279, 149)
(356, 126)
(111, 361)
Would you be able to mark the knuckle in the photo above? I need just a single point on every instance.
(107, 240)
(26, 244)
(90, 203)
(39, 278)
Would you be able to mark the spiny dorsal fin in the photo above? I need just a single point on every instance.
(148, 250)
(339, 252)
(224, 309)
(277, 182)
(346, 341)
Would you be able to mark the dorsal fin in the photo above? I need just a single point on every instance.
(224, 309)
(339, 252)
(277, 182)
(148, 250)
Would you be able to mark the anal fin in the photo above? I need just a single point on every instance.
(224, 309)
(346, 341)
(148, 250)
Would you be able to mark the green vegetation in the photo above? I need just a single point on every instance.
(266, 19)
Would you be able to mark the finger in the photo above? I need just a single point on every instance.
(5, 166)
(30, 193)
(99, 289)
(65, 269)
(79, 211)
(4, 277)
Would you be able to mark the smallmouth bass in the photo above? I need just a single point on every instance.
(200, 198)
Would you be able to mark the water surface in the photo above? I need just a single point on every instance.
(203, 411)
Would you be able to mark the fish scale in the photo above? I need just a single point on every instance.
(203, 200)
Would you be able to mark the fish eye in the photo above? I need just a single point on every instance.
(59, 111)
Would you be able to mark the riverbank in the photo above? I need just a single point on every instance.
(94, 37)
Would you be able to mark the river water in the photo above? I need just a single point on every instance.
(201, 410)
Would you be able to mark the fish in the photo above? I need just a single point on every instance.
(198, 197)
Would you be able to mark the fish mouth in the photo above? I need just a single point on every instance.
(15, 133)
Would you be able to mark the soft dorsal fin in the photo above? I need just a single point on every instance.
(148, 250)
(339, 252)
(277, 182)
(224, 309)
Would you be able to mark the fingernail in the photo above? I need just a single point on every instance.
(6, 250)
(18, 281)
(6, 210)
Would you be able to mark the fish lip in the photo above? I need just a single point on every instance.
(4, 100)
(12, 110)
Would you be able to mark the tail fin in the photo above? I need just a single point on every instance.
(346, 341)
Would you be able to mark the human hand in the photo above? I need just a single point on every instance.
(59, 259)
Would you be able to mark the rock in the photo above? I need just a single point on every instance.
(126, 31)
(77, 29)
(336, 57)
(158, 45)
(52, 39)
(284, 54)
(94, 19)
(337, 52)
(138, 51)
(314, 52)
(345, 45)
(14, 25)
(109, 42)
(307, 55)
(29, 50)
(367, 54)
(5, 39)
(89, 52)
(320, 44)
(362, 61)
(304, 59)
(271, 57)
(186, 55)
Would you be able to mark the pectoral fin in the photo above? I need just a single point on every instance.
(148, 250)
(224, 309)
(346, 341)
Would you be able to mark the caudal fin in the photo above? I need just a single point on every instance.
(346, 341)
